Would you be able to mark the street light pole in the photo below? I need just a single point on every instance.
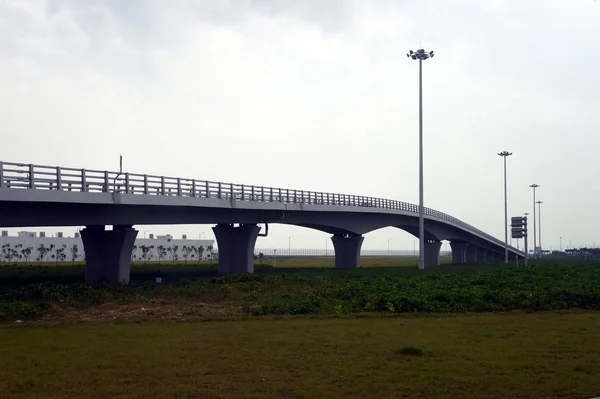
(505, 154)
(421, 55)
(388, 242)
(540, 225)
(534, 186)
(560, 246)
(290, 245)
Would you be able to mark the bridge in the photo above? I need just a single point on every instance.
(37, 195)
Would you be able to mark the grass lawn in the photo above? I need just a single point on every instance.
(510, 355)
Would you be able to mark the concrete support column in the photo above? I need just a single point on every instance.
(482, 255)
(108, 253)
(459, 252)
(432, 253)
(347, 251)
(236, 247)
(472, 253)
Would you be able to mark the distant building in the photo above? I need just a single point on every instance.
(28, 246)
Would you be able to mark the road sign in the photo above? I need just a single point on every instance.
(518, 226)
(518, 221)
(517, 232)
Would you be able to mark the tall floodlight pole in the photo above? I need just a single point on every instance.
(560, 245)
(540, 226)
(505, 154)
(421, 55)
(534, 186)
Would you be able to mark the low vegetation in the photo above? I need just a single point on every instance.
(35, 292)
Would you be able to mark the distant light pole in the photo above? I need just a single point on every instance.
(560, 245)
(534, 186)
(540, 225)
(388, 242)
(290, 245)
(505, 154)
(421, 55)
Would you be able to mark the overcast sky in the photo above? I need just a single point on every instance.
(318, 95)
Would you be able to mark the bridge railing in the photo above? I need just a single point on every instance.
(39, 177)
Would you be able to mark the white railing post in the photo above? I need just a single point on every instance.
(106, 182)
(287, 194)
(262, 193)
(146, 184)
(58, 179)
(31, 177)
(84, 186)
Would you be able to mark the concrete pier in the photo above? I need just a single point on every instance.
(236, 247)
(471, 253)
(108, 253)
(432, 253)
(347, 251)
(459, 252)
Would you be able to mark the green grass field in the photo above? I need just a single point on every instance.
(515, 355)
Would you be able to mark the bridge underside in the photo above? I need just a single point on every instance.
(108, 252)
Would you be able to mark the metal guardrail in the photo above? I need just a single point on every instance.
(40, 177)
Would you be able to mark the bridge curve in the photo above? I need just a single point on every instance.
(37, 195)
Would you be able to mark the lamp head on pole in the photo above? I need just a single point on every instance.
(420, 54)
(534, 185)
(504, 153)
